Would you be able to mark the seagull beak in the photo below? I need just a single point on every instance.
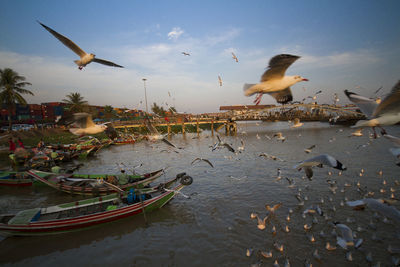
(304, 79)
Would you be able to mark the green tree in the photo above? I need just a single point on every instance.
(12, 86)
(158, 110)
(75, 102)
(109, 112)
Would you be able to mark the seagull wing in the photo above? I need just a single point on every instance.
(395, 140)
(195, 160)
(205, 160)
(209, 162)
(67, 42)
(366, 105)
(328, 160)
(229, 147)
(81, 120)
(151, 127)
(391, 104)
(278, 66)
(168, 142)
(105, 62)
(284, 96)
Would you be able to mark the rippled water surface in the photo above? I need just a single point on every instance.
(213, 227)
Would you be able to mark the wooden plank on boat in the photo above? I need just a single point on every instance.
(24, 217)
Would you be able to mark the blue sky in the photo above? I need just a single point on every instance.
(350, 45)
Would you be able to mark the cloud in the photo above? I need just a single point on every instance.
(222, 37)
(347, 58)
(175, 33)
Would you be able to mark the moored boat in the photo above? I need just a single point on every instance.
(93, 184)
(14, 178)
(85, 213)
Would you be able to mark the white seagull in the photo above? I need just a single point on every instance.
(274, 81)
(296, 123)
(82, 124)
(377, 205)
(185, 54)
(365, 104)
(319, 161)
(201, 159)
(308, 150)
(385, 113)
(235, 57)
(85, 58)
(220, 80)
(396, 141)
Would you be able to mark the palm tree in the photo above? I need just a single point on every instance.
(109, 111)
(159, 110)
(12, 86)
(75, 102)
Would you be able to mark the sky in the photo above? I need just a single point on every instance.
(350, 45)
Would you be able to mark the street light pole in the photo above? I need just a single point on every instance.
(145, 94)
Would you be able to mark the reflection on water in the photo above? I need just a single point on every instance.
(213, 227)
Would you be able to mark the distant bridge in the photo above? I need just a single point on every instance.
(305, 112)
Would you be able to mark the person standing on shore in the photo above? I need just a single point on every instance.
(20, 143)
(12, 145)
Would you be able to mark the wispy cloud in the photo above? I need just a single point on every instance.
(175, 33)
(222, 37)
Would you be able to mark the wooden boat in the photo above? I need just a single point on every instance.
(85, 213)
(14, 178)
(92, 184)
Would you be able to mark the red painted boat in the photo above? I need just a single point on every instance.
(13, 178)
(85, 213)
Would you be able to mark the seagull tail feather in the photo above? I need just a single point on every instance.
(365, 123)
(250, 89)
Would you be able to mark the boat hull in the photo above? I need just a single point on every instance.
(92, 191)
(85, 221)
(10, 178)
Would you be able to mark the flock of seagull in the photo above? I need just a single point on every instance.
(275, 83)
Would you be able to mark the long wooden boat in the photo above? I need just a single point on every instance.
(14, 178)
(85, 213)
(91, 184)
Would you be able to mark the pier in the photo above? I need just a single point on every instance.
(231, 114)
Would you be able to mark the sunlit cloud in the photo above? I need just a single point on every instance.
(175, 33)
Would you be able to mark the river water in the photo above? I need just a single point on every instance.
(213, 227)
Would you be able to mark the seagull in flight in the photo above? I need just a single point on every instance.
(296, 123)
(83, 124)
(396, 141)
(221, 144)
(155, 135)
(185, 54)
(201, 159)
(235, 57)
(220, 80)
(85, 58)
(385, 113)
(274, 81)
(308, 150)
(319, 161)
